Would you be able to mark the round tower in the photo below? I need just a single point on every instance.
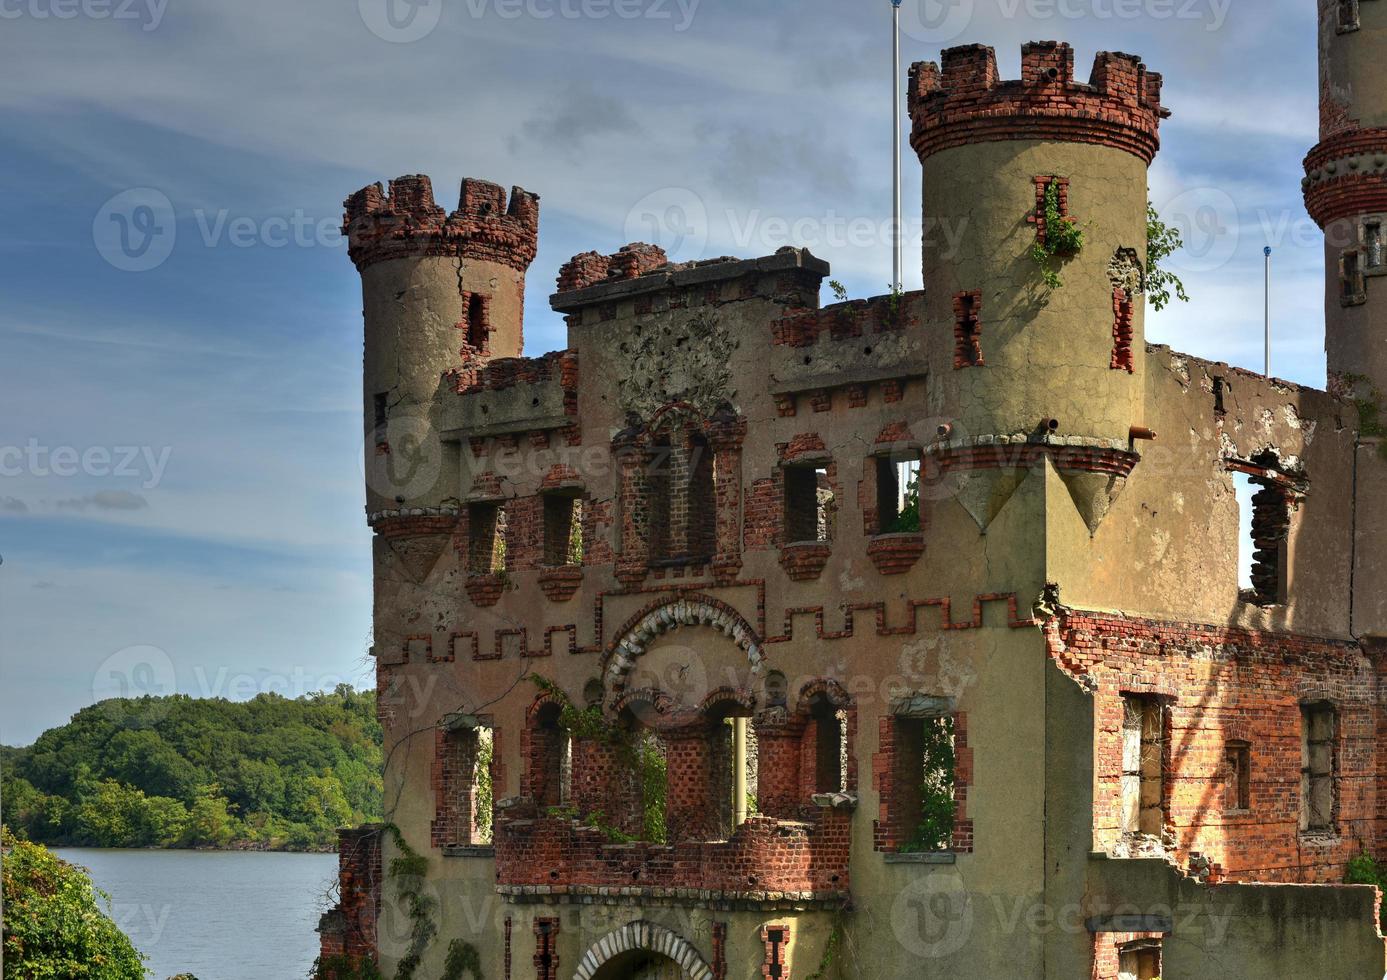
(1035, 203)
(1346, 189)
(442, 295)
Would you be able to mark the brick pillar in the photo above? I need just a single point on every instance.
(779, 737)
(348, 932)
(632, 463)
(691, 813)
(725, 438)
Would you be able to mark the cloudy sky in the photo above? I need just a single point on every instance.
(180, 492)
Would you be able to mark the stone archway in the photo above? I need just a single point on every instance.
(642, 951)
(693, 610)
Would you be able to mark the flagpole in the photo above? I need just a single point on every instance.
(1266, 311)
(897, 274)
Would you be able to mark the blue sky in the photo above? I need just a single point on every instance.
(230, 555)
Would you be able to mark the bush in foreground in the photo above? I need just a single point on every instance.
(56, 925)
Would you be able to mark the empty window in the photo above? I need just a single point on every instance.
(1237, 764)
(486, 539)
(830, 746)
(898, 494)
(810, 508)
(1348, 15)
(702, 499)
(1351, 274)
(563, 530)
(924, 762)
(1266, 530)
(551, 759)
(732, 761)
(382, 417)
(1139, 961)
(1143, 769)
(660, 480)
(968, 330)
(464, 798)
(477, 331)
(682, 499)
(652, 770)
(1317, 766)
(1372, 243)
(775, 938)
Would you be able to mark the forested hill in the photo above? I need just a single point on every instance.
(186, 772)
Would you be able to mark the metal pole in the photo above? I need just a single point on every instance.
(897, 268)
(739, 771)
(1266, 312)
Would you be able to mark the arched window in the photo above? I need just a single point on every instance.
(551, 758)
(830, 745)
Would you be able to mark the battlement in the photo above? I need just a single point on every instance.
(965, 101)
(407, 221)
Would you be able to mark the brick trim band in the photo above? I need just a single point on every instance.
(1344, 197)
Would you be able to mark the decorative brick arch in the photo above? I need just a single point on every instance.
(642, 935)
(665, 616)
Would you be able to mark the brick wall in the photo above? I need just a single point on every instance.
(1223, 685)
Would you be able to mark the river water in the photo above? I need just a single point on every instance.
(219, 915)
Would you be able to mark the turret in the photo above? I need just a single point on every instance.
(443, 294)
(1346, 193)
(1346, 190)
(1039, 343)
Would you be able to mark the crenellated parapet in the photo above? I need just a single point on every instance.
(407, 221)
(965, 102)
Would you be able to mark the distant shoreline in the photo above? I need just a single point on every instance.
(248, 848)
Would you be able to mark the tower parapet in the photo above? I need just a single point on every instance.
(407, 221)
(443, 295)
(965, 102)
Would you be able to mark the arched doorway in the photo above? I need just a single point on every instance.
(642, 951)
(641, 964)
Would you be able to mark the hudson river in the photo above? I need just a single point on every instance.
(219, 915)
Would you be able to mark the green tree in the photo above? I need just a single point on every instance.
(55, 925)
(210, 823)
(1162, 241)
